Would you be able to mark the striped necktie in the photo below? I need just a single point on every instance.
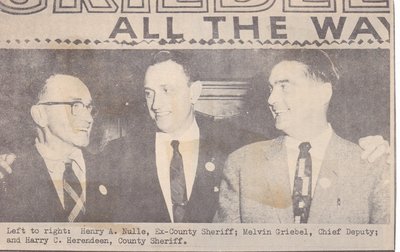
(302, 186)
(178, 184)
(73, 196)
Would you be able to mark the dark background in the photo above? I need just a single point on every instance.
(360, 106)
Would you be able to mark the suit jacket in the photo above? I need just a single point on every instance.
(32, 197)
(256, 187)
(141, 198)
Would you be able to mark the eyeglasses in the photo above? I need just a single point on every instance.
(77, 107)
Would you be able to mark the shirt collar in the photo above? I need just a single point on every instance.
(191, 134)
(318, 143)
(50, 155)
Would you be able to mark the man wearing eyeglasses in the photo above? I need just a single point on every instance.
(143, 184)
(50, 181)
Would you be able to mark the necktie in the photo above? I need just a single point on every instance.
(302, 187)
(178, 184)
(73, 197)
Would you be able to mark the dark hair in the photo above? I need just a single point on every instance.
(319, 65)
(37, 89)
(180, 59)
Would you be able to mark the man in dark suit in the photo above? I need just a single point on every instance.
(50, 181)
(171, 171)
(311, 175)
(147, 160)
(139, 164)
(133, 172)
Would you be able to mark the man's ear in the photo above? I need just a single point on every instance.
(39, 116)
(326, 92)
(195, 91)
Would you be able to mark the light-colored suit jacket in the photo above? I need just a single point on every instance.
(256, 187)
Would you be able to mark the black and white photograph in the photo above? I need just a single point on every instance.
(197, 125)
(255, 136)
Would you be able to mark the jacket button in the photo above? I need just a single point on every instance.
(210, 166)
(103, 190)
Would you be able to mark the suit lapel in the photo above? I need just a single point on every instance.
(277, 174)
(204, 182)
(278, 182)
(202, 179)
(325, 191)
(98, 191)
(154, 190)
(92, 182)
(46, 193)
(201, 174)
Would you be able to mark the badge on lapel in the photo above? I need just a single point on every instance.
(210, 166)
(325, 183)
(103, 190)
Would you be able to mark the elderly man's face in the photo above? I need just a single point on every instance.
(169, 97)
(295, 97)
(71, 125)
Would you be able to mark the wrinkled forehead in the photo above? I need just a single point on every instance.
(65, 88)
(165, 73)
(287, 71)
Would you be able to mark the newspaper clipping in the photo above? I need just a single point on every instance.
(176, 125)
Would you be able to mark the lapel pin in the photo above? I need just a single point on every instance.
(103, 190)
(325, 183)
(210, 166)
(216, 189)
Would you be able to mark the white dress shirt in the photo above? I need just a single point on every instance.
(189, 149)
(56, 166)
(317, 152)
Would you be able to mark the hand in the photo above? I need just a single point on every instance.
(6, 160)
(374, 147)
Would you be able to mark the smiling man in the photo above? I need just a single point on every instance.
(310, 175)
(170, 96)
(171, 171)
(50, 181)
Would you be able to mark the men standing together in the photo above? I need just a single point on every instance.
(170, 170)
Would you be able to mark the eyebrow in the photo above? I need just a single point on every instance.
(161, 86)
(81, 100)
(279, 82)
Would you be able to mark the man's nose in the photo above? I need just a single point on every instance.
(158, 101)
(273, 96)
(87, 116)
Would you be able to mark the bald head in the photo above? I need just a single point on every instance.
(63, 112)
(61, 87)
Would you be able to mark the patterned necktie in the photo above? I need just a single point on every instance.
(302, 187)
(178, 184)
(73, 197)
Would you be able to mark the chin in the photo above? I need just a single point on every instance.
(82, 143)
(282, 127)
(164, 127)
(279, 125)
(165, 130)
